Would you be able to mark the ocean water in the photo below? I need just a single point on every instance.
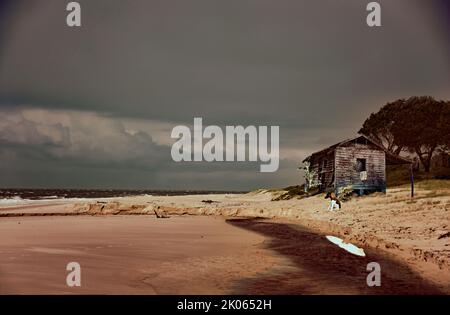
(13, 196)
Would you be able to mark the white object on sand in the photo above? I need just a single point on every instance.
(347, 246)
(333, 205)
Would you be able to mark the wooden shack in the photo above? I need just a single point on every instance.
(359, 163)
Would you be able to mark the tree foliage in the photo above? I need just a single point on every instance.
(311, 177)
(379, 125)
(420, 125)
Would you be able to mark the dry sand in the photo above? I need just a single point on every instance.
(280, 249)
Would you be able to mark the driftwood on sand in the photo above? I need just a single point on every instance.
(161, 214)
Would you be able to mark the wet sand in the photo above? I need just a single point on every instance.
(316, 266)
(185, 255)
(127, 255)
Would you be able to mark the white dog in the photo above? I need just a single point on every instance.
(335, 203)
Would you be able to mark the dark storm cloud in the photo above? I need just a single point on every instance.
(51, 148)
(312, 67)
(258, 60)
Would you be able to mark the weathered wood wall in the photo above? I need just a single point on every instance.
(324, 167)
(346, 167)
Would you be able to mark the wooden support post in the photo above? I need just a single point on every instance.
(412, 180)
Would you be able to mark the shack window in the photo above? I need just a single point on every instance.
(361, 165)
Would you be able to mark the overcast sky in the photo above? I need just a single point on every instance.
(93, 107)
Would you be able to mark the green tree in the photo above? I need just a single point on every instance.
(424, 127)
(379, 125)
(311, 177)
(420, 125)
(445, 124)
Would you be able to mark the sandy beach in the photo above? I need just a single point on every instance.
(128, 255)
(206, 147)
(185, 255)
(236, 244)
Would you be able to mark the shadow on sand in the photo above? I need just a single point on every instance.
(316, 266)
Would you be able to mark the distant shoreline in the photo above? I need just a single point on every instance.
(55, 193)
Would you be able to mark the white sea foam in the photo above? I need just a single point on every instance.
(13, 201)
(16, 200)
